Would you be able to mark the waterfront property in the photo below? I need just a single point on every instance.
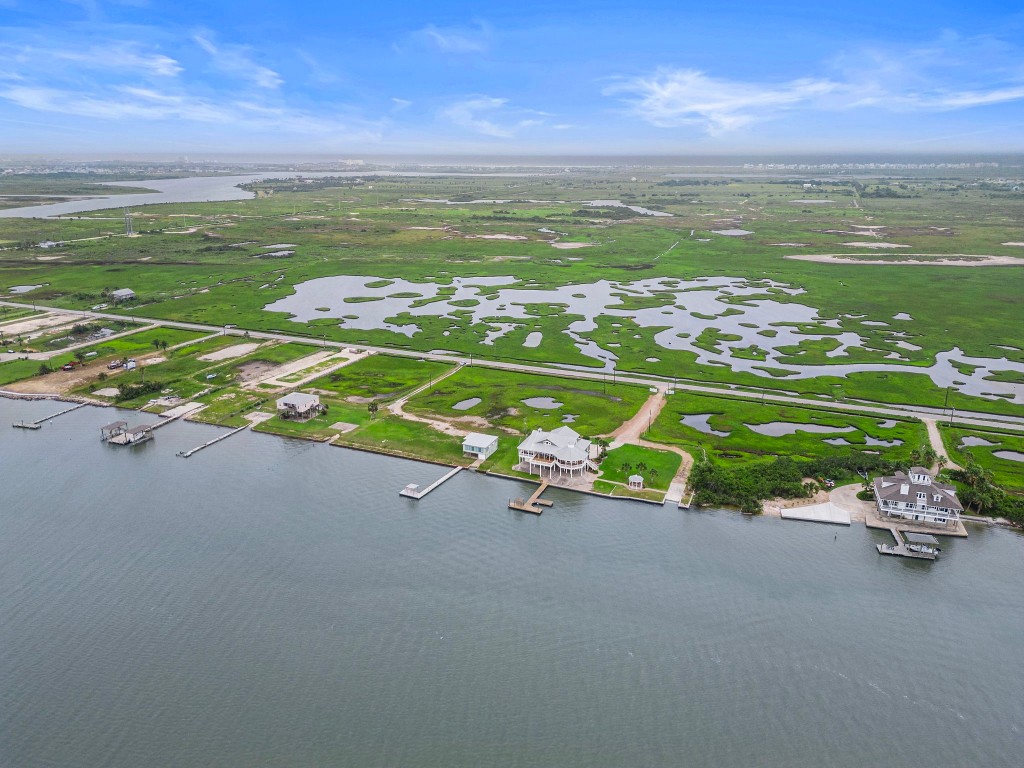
(299, 406)
(125, 435)
(479, 446)
(561, 450)
(917, 497)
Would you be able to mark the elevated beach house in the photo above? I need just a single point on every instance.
(479, 446)
(916, 496)
(299, 406)
(561, 451)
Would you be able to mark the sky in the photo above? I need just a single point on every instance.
(451, 77)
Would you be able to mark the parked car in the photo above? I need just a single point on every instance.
(113, 365)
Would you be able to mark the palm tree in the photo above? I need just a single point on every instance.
(373, 407)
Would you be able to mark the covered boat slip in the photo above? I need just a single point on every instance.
(119, 433)
(922, 546)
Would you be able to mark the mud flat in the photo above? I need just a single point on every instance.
(913, 259)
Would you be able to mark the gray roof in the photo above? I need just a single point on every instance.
(121, 292)
(477, 440)
(891, 489)
(300, 401)
(115, 425)
(564, 443)
(921, 538)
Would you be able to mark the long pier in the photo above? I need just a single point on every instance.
(208, 443)
(413, 491)
(535, 504)
(40, 422)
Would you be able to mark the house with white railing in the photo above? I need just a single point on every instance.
(916, 496)
(559, 452)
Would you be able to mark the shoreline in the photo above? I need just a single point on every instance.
(773, 504)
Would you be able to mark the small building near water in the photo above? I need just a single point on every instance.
(478, 445)
(299, 405)
(131, 435)
(916, 496)
(636, 482)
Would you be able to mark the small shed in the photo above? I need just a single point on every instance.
(480, 446)
(636, 482)
(122, 294)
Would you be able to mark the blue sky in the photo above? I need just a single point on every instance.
(343, 78)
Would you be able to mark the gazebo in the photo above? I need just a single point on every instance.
(636, 482)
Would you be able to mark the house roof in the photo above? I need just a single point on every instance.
(122, 292)
(564, 443)
(300, 401)
(891, 489)
(477, 440)
(919, 471)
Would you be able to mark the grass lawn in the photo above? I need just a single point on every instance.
(319, 427)
(392, 434)
(656, 467)
(502, 395)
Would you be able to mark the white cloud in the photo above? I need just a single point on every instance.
(474, 39)
(122, 58)
(399, 104)
(487, 115)
(675, 97)
(236, 61)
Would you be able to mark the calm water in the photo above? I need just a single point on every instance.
(274, 602)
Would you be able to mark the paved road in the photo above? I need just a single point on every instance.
(992, 421)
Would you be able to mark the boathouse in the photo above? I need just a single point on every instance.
(299, 405)
(560, 451)
(916, 496)
(132, 435)
(479, 446)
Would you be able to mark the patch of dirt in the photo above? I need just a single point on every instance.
(254, 370)
(923, 259)
(236, 350)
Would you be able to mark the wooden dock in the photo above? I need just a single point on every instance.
(413, 491)
(208, 443)
(37, 424)
(900, 549)
(535, 504)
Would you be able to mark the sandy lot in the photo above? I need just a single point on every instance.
(876, 245)
(950, 260)
(496, 237)
(571, 246)
(236, 350)
(38, 323)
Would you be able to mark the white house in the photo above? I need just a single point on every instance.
(561, 450)
(917, 497)
(299, 405)
(480, 446)
(122, 294)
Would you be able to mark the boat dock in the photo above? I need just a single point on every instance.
(37, 424)
(535, 504)
(413, 491)
(916, 545)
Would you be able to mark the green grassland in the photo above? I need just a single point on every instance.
(202, 277)
(380, 377)
(598, 408)
(742, 445)
(1007, 473)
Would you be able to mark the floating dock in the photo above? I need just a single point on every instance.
(920, 546)
(37, 424)
(413, 491)
(535, 504)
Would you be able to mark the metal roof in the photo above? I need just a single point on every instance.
(921, 538)
(115, 425)
(478, 440)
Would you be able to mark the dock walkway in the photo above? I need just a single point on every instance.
(535, 504)
(413, 491)
(37, 424)
(254, 418)
(900, 549)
